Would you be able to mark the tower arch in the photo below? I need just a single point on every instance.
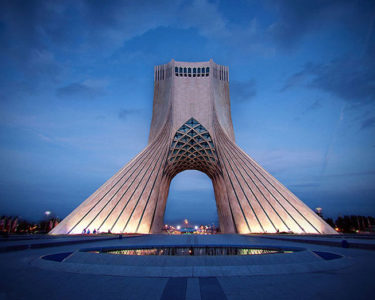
(191, 196)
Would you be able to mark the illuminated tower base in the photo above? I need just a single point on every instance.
(192, 128)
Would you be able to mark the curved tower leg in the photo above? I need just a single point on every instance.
(260, 202)
(127, 201)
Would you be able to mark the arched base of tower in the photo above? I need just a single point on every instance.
(248, 199)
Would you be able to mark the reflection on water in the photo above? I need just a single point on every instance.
(194, 251)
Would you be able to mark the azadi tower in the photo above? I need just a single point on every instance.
(192, 128)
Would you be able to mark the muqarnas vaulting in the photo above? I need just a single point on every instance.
(192, 128)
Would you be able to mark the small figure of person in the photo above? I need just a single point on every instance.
(84, 231)
(94, 232)
(88, 231)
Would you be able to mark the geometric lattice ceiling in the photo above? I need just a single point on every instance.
(192, 148)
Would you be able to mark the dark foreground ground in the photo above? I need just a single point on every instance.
(309, 276)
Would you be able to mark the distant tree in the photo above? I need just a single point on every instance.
(354, 223)
(330, 222)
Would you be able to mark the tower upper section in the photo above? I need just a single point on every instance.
(184, 90)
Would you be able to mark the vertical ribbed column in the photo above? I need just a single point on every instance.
(157, 220)
(224, 210)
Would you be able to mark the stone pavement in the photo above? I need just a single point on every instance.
(21, 279)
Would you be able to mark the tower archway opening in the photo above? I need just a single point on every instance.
(191, 197)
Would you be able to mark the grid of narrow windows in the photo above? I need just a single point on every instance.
(162, 73)
(192, 72)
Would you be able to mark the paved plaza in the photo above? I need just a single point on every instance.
(308, 274)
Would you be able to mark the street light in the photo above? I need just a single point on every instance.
(319, 211)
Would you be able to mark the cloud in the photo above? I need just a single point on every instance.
(45, 138)
(368, 123)
(316, 105)
(295, 19)
(313, 107)
(350, 79)
(113, 23)
(296, 79)
(125, 113)
(298, 18)
(23, 40)
(243, 91)
(87, 89)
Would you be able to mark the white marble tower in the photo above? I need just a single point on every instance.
(192, 128)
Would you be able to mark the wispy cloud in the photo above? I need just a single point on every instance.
(368, 123)
(124, 114)
(86, 89)
(349, 79)
(328, 152)
(298, 18)
(243, 91)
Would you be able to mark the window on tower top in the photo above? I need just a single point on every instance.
(191, 72)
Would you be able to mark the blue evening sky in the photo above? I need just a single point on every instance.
(76, 88)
